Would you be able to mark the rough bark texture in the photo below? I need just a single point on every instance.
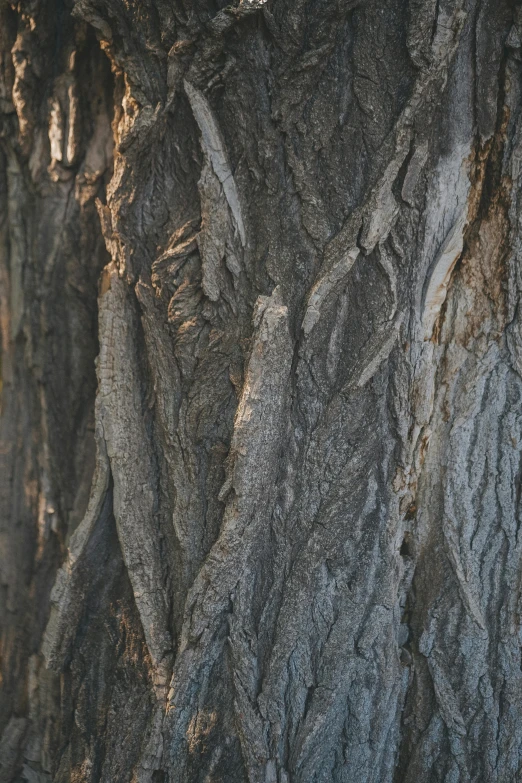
(261, 424)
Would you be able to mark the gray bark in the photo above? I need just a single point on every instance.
(261, 423)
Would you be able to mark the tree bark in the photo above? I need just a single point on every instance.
(261, 413)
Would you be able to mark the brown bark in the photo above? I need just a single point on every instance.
(260, 434)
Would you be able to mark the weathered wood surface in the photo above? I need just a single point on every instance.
(261, 423)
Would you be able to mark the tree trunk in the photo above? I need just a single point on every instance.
(261, 423)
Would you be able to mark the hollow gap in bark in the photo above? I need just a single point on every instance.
(406, 549)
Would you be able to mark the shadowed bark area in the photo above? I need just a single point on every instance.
(261, 413)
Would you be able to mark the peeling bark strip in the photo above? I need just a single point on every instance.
(224, 584)
(261, 391)
(214, 150)
(124, 431)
